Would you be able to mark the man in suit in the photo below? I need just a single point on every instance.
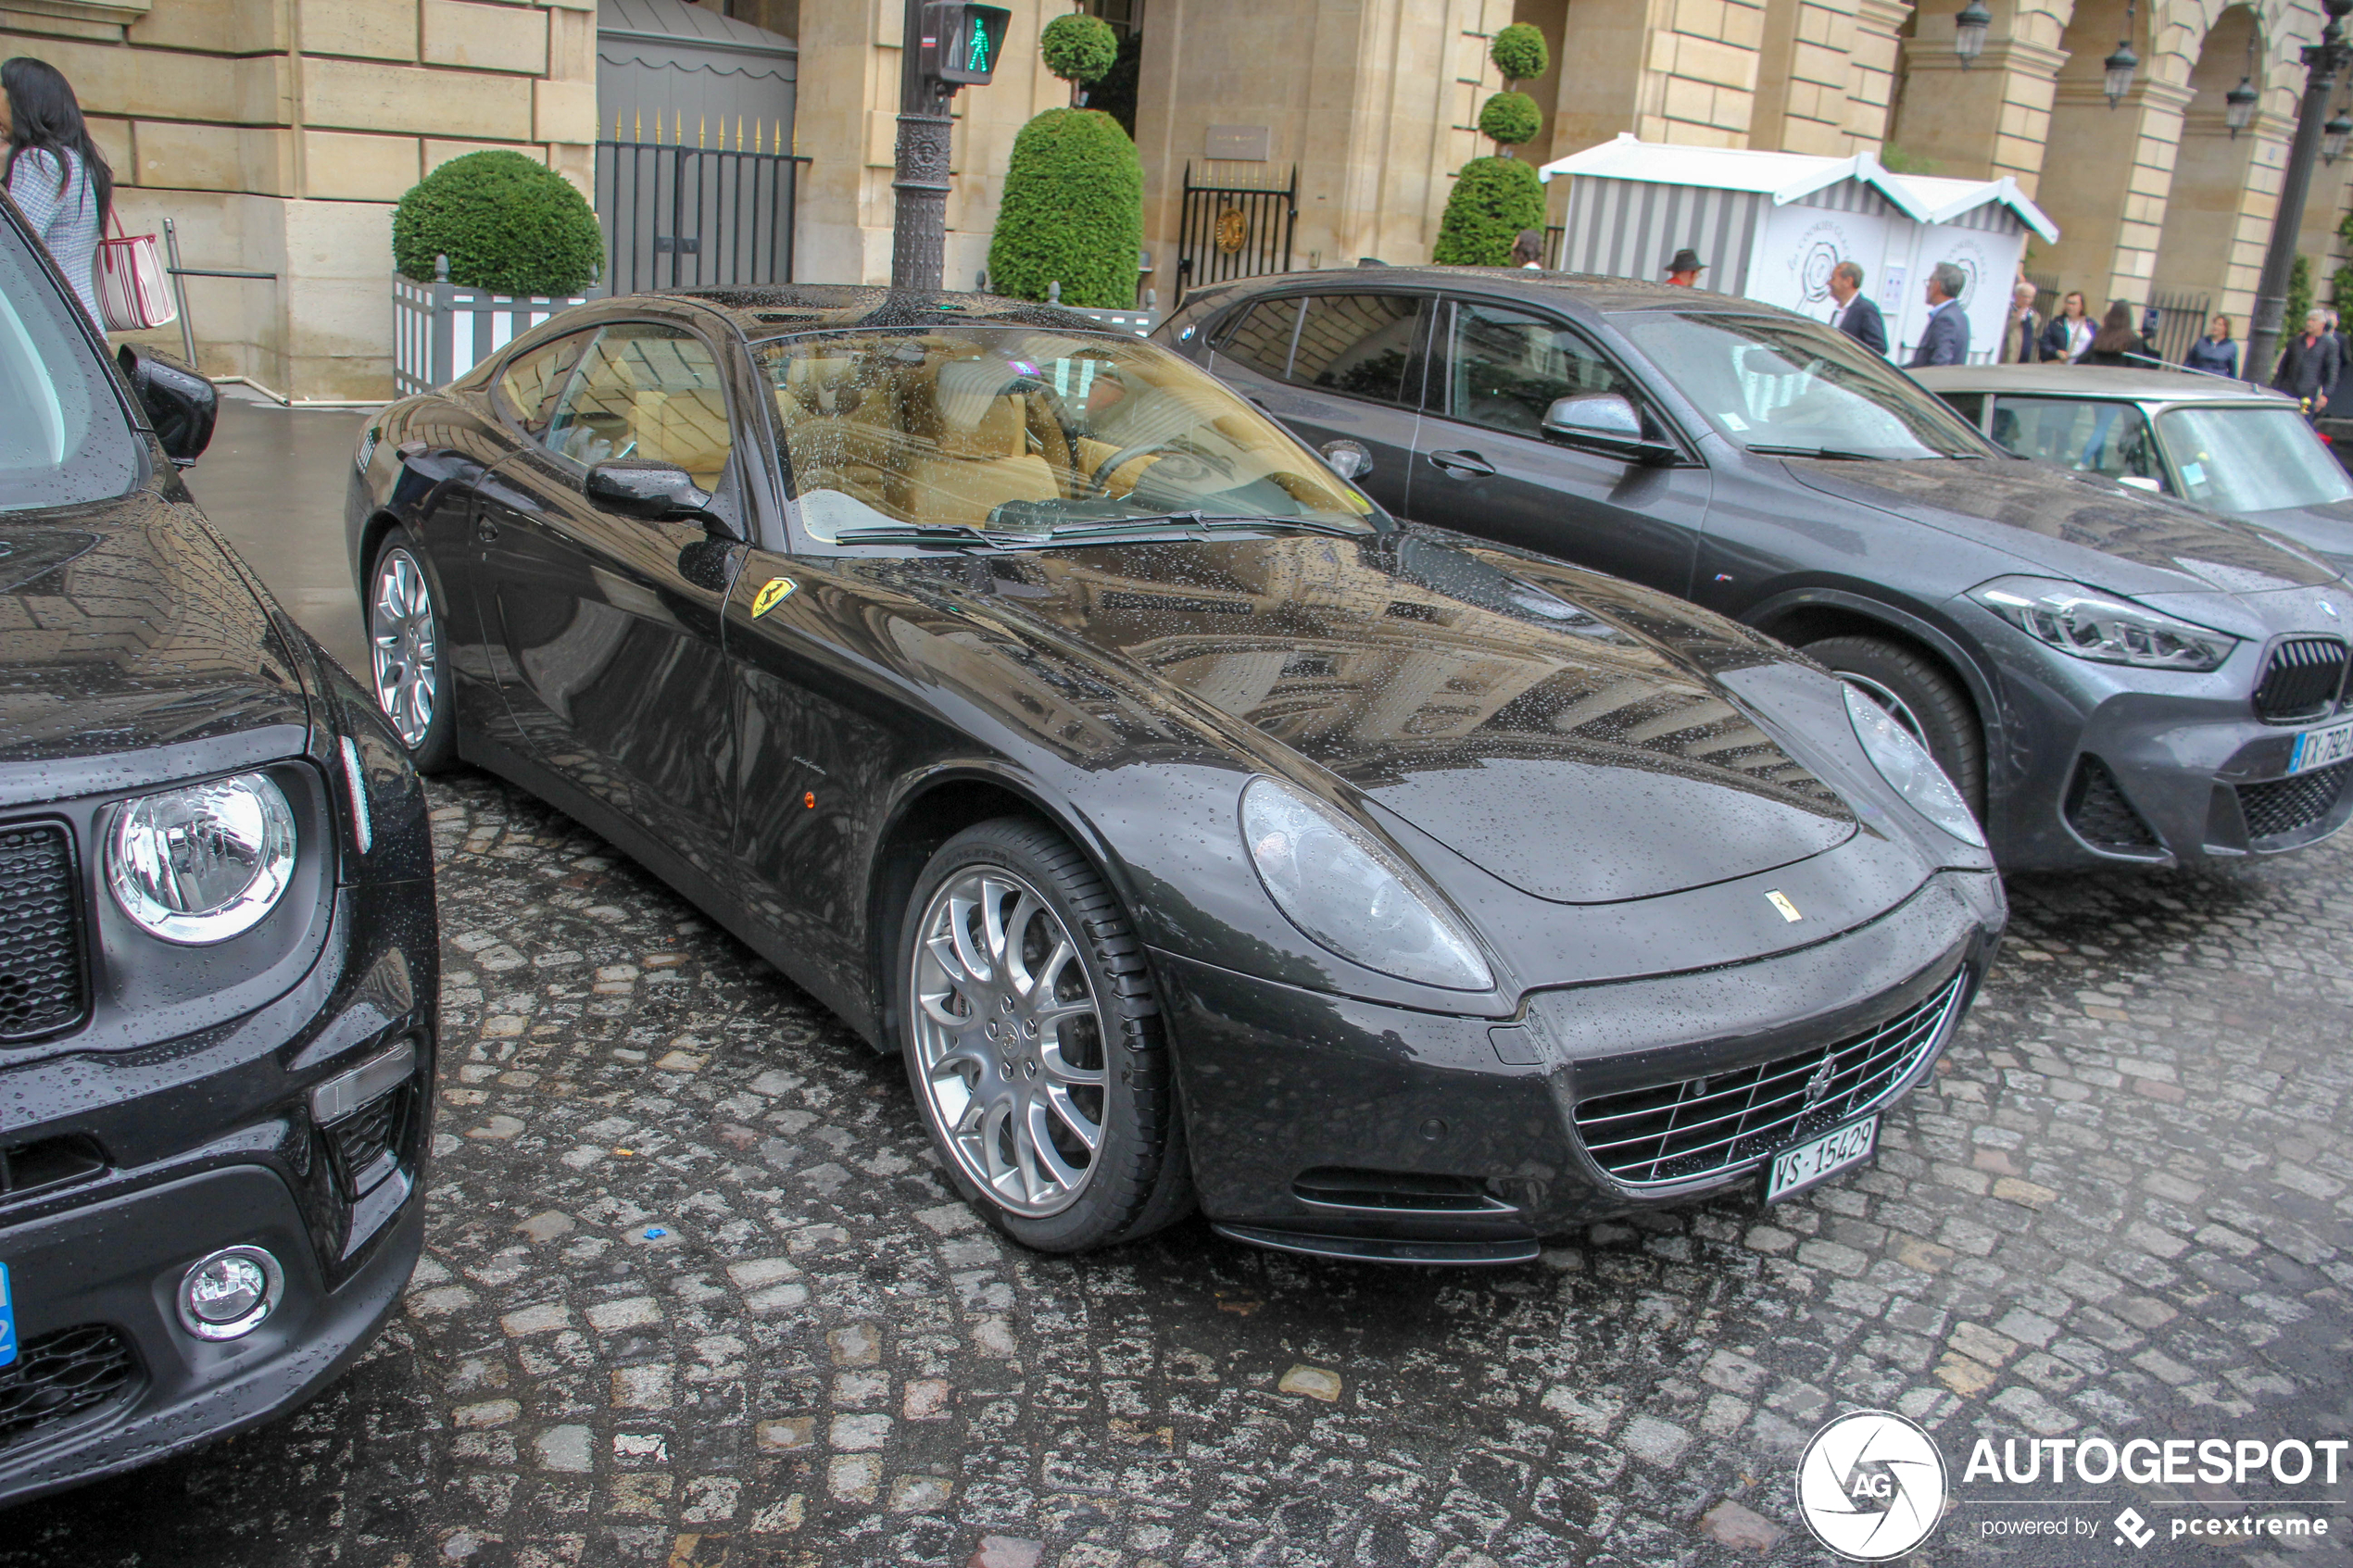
(1858, 315)
(2023, 335)
(2309, 368)
(1946, 340)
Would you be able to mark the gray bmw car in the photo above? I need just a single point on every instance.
(2109, 676)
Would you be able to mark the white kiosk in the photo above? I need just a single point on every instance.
(1771, 225)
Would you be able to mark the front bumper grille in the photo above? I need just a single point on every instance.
(42, 986)
(62, 1374)
(2097, 810)
(2284, 806)
(1670, 1133)
(2301, 680)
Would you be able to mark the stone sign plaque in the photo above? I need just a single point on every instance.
(1238, 144)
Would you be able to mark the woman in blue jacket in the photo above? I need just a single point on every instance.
(2215, 353)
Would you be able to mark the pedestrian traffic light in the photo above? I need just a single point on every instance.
(960, 42)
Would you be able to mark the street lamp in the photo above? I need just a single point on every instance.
(1969, 32)
(2120, 66)
(2322, 62)
(2333, 137)
(2238, 106)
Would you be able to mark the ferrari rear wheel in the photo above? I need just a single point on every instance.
(1032, 1039)
(406, 670)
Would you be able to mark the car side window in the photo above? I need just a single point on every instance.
(1261, 338)
(646, 391)
(1971, 405)
(1505, 366)
(2088, 435)
(522, 388)
(1358, 344)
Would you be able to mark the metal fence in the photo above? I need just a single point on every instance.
(698, 205)
(2182, 319)
(1227, 232)
(440, 332)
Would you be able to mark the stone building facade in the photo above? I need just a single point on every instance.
(278, 132)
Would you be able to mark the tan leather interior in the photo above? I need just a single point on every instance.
(688, 427)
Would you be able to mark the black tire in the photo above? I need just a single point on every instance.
(1939, 713)
(435, 748)
(1139, 1177)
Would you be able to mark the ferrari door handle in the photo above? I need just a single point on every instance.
(1462, 465)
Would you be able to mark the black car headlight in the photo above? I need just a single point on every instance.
(203, 862)
(2089, 624)
(1353, 896)
(1909, 770)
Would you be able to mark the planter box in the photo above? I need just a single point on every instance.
(440, 332)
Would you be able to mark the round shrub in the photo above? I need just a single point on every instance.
(1518, 52)
(1494, 199)
(1510, 118)
(507, 222)
(1072, 212)
(1078, 48)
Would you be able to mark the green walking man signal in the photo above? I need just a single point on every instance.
(960, 42)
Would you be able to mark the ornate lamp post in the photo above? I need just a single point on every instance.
(2118, 68)
(1969, 32)
(2239, 104)
(2322, 61)
(2333, 136)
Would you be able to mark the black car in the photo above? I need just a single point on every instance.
(218, 960)
(1188, 825)
(2109, 677)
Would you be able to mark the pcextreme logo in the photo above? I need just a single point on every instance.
(1871, 1486)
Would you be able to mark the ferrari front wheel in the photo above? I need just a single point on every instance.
(1032, 1043)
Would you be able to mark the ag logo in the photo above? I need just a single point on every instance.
(1871, 1486)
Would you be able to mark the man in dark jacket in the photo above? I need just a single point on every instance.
(1858, 315)
(2309, 368)
(1946, 340)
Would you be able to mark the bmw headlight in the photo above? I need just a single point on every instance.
(1355, 895)
(203, 862)
(1905, 763)
(2076, 620)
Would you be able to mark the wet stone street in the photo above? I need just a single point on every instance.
(694, 1293)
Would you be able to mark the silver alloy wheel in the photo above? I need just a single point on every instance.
(1894, 707)
(1009, 1040)
(402, 645)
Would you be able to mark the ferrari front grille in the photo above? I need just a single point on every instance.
(1700, 1127)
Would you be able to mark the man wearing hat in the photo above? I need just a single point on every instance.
(1684, 269)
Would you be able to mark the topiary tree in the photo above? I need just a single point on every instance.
(1508, 119)
(1494, 199)
(1072, 212)
(2300, 297)
(1079, 49)
(507, 222)
(1518, 52)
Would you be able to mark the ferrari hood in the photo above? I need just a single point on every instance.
(124, 628)
(1559, 730)
(2080, 527)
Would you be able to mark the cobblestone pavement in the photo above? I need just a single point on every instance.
(696, 1294)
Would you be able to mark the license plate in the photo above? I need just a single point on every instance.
(1795, 1169)
(2319, 749)
(7, 1318)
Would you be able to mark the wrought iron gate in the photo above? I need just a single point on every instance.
(2182, 319)
(713, 205)
(1226, 232)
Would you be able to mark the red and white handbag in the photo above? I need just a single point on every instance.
(135, 292)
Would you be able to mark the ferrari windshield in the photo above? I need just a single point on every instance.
(1023, 433)
(2251, 459)
(1789, 387)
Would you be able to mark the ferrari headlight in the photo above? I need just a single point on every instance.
(1905, 763)
(2078, 621)
(203, 862)
(1353, 896)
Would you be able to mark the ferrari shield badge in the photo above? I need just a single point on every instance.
(774, 592)
(1781, 901)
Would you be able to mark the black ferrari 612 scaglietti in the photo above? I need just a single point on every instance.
(219, 967)
(1195, 831)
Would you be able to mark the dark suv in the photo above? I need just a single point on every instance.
(217, 959)
(2107, 675)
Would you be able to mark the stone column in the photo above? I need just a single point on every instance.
(1870, 71)
(1991, 119)
(2107, 189)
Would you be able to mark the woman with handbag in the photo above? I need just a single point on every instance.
(59, 179)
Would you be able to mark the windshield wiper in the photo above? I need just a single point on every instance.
(1843, 455)
(940, 535)
(1153, 522)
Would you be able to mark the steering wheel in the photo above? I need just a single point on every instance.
(1121, 458)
